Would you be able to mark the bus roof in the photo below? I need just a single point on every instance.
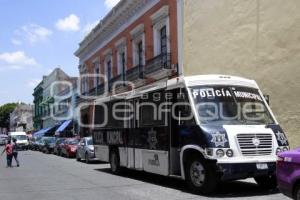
(180, 82)
(219, 80)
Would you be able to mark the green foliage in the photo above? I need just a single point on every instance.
(5, 110)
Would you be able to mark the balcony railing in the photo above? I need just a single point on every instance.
(162, 61)
(117, 78)
(135, 73)
(96, 91)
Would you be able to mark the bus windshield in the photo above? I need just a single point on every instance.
(230, 105)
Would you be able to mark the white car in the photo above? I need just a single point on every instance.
(22, 139)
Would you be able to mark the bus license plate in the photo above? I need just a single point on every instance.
(261, 166)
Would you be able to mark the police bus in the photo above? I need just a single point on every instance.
(202, 129)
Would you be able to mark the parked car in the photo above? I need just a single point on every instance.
(58, 145)
(288, 173)
(85, 150)
(3, 139)
(41, 144)
(34, 143)
(22, 139)
(49, 143)
(69, 148)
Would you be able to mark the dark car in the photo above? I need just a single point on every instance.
(288, 173)
(85, 150)
(58, 145)
(69, 148)
(35, 143)
(49, 143)
(40, 144)
(3, 139)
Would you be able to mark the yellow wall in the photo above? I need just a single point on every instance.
(257, 39)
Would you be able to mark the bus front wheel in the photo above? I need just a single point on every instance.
(268, 182)
(200, 176)
(114, 162)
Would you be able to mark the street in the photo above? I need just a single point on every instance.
(44, 177)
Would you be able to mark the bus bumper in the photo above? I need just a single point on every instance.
(235, 171)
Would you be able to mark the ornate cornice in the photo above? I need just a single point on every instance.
(118, 19)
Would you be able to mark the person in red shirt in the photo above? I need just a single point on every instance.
(9, 153)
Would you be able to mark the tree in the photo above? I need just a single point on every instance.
(5, 111)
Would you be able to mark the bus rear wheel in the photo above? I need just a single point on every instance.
(200, 176)
(114, 160)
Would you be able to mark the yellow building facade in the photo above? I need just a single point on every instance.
(256, 39)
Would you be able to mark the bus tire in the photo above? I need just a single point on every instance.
(268, 181)
(296, 194)
(201, 176)
(114, 160)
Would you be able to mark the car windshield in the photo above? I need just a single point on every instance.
(89, 141)
(60, 141)
(230, 105)
(72, 142)
(20, 137)
(50, 140)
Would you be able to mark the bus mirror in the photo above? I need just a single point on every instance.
(267, 98)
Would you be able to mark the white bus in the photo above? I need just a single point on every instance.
(202, 129)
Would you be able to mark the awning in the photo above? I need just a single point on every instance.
(41, 132)
(63, 126)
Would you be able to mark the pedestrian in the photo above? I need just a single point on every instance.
(9, 153)
(15, 151)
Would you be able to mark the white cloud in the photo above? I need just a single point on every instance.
(32, 33)
(16, 42)
(16, 60)
(33, 82)
(89, 26)
(70, 23)
(111, 3)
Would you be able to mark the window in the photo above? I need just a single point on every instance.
(108, 64)
(121, 56)
(96, 73)
(138, 38)
(84, 80)
(151, 114)
(163, 40)
(123, 65)
(122, 62)
(109, 70)
(161, 31)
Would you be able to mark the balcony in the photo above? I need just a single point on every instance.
(118, 78)
(96, 91)
(135, 73)
(159, 66)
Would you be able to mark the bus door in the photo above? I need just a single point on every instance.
(174, 127)
(131, 135)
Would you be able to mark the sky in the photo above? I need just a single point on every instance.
(37, 36)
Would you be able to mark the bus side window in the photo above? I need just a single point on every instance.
(185, 114)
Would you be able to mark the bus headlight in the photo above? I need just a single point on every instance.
(229, 153)
(285, 148)
(220, 153)
(278, 150)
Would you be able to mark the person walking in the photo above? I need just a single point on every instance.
(9, 153)
(15, 151)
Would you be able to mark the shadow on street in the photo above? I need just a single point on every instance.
(225, 189)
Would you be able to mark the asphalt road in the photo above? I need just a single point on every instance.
(48, 177)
